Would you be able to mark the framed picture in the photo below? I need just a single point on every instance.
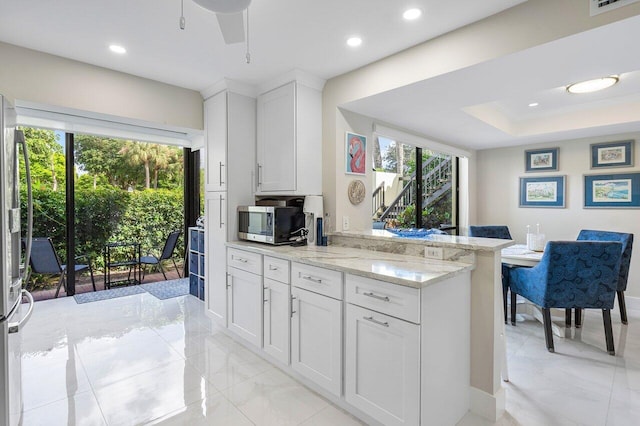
(542, 192)
(612, 154)
(541, 160)
(614, 191)
(355, 154)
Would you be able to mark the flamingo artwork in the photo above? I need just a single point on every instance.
(357, 153)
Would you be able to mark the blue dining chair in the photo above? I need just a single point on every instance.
(501, 232)
(571, 274)
(625, 263)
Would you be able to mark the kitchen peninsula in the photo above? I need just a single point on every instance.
(370, 323)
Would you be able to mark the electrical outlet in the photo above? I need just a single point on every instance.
(434, 253)
(345, 223)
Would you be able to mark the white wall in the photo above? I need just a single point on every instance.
(28, 75)
(497, 182)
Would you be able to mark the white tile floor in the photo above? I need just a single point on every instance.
(139, 360)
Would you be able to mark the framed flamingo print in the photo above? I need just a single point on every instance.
(355, 154)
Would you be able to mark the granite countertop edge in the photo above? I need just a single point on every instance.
(333, 258)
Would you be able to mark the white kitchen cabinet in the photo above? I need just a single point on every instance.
(215, 256)
(382, 366)
(277, 312)
(289, 140)
(316, 339)
(230, 142)
(245, 305)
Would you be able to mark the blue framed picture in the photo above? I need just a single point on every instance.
(613, 191)
(541, 160)
(612, 154)
(542, 192)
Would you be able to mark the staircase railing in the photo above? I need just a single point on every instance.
(436, 172)
(378, 200)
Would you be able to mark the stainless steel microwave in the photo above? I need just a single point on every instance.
(269, 224)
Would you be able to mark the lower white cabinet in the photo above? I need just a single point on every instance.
(382, 366)
(277, 312)
(245, 305)
(216, 257)
(316, 339)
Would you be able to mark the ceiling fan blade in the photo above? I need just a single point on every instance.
(232, 27)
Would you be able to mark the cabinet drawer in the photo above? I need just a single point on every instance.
(391, 299)
(244, 260)
(318, 280)
(276, 269)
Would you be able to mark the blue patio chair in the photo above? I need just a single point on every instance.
(44, 260)
(167, 253)
(625, 263)
(571, 274)
(501, 232)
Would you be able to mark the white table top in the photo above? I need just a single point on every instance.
(519, 255)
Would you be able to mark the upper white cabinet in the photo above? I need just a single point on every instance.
(215, 111)
(289, 140)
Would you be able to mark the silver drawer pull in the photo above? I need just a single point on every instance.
(371, 319)
(375, 296)
(273, 268)
(310, 278)
(239, 259)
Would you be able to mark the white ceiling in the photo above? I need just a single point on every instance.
(308, 35)
(486, 106)
(479, 107)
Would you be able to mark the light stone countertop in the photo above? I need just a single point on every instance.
(449, 241)
(410, 271)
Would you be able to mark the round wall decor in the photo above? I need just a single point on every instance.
(356, 191)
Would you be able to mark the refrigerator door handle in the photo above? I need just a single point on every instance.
(14, 327)
(25, 152)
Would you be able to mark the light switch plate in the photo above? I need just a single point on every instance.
(434, 253)
(345, 223)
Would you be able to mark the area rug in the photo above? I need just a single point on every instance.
(107, 294)
(168, 289)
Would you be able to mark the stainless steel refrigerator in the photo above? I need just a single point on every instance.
(13, 315)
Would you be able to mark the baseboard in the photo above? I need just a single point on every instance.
(632, 302)
(490, 407)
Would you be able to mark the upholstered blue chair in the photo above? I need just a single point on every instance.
(625, 263)
(571, 274)
(501, 232)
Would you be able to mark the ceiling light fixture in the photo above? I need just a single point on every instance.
(354, 41)
(534, 104)
(593, 85)
(115, 48)
(411, 14)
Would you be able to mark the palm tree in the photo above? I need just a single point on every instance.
(136, 153)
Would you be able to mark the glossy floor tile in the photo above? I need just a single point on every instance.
(139, 360)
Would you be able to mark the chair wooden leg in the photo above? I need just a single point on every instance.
(513, 308)
(578, 317)
(608, 331)
(567, 317)
(548, 332)
(623, 307)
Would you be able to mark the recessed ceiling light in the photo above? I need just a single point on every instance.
(534, 104)
(411, 14)
(592, 85)
(115, 48)
(354, 41)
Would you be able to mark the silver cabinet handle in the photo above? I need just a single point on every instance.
(239, 259)
(259, 174)
(312, 279)
(228, 276)
(273, 268)
(375, 321)
(220, 173)
(221, 222)
(14, 327)
(291, 304)
(375, 296)
(265, 300)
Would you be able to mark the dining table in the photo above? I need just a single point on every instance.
(518, 255)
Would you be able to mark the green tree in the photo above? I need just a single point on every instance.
(100, 157)
(46, 158)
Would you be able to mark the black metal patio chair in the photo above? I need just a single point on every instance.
(167, 254)
(44, 260)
